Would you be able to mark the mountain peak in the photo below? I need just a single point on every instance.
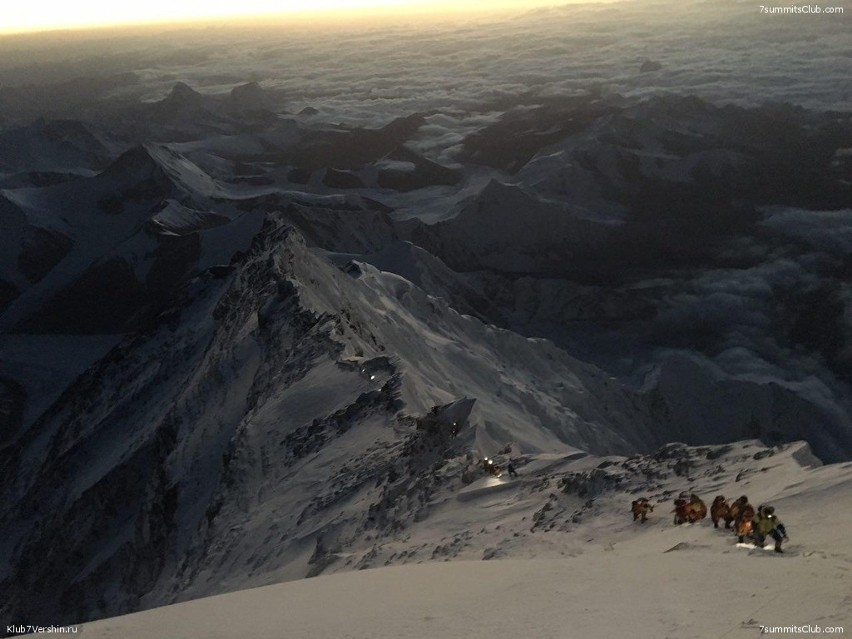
(181, 89)
(138, 159)
(152, 161)
(182, 96)
(250, 97)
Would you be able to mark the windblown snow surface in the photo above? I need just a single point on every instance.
(567, 561)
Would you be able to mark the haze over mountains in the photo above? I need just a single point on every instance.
(265, 296)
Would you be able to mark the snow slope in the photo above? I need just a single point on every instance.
(608, 578)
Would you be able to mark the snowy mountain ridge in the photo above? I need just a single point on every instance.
(346, 387)
(224, 378)
(562, 545)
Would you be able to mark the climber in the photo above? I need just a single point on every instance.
(679, 511)
(719, 511)
(511, 468)
(490, 467)
(744, 519)
(696, 509)
(734, 510)
(641, 507)
(767, 524)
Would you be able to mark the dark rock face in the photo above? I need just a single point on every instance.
(51, 147)
(520, 134)
(299, 176)
(13, 400)
(109, 298)
(249, 97)
(35, 178)
(102, 300)
(8, 293)
(421, 174)
(182, 96)
(341, 179)
(41, 253)
(352, 149)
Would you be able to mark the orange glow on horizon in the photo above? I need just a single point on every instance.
(22, 17)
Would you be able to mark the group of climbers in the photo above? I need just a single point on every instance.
(491, 468)
(757, 525)
(747, 523)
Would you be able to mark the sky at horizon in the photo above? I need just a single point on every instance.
(20, 17)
